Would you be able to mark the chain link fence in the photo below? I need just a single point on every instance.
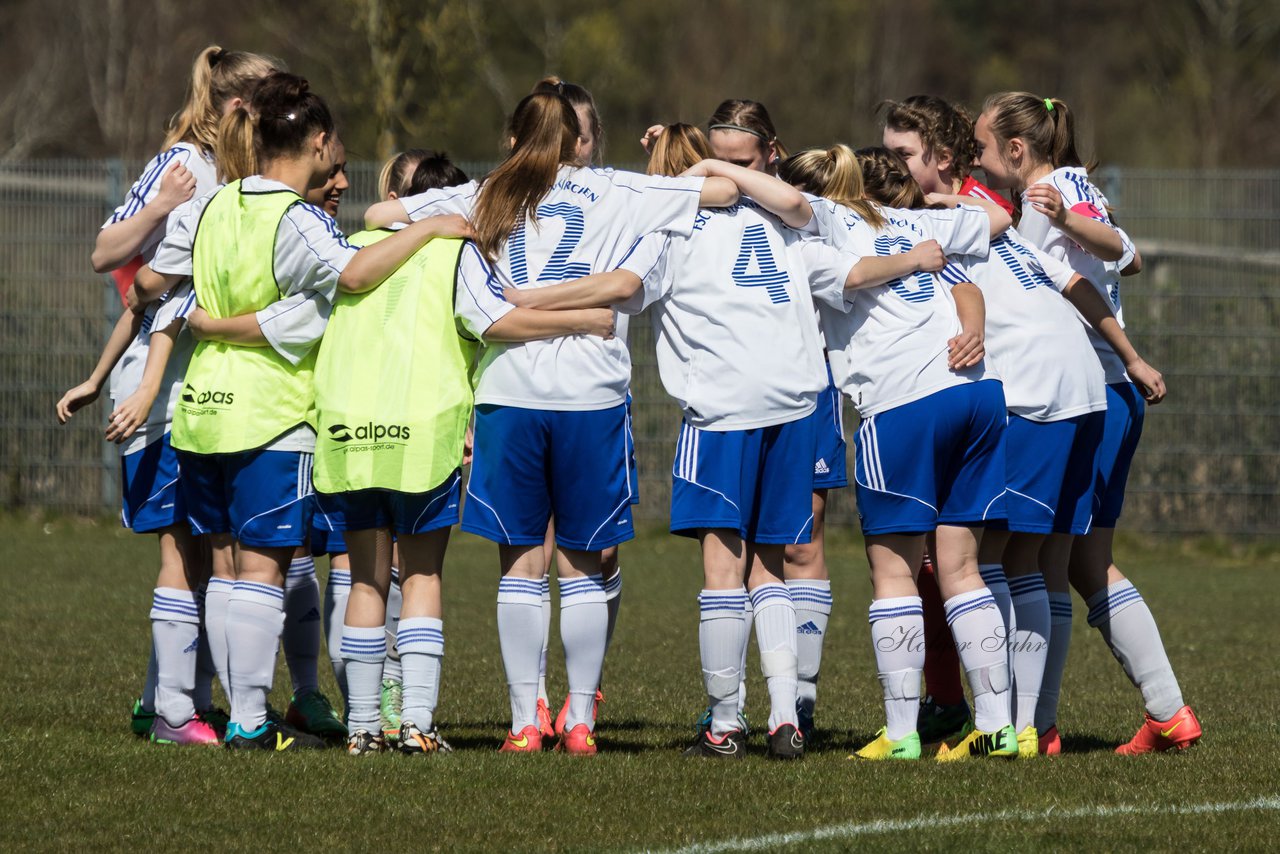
(1205, 311)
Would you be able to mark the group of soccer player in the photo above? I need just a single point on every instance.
(282, 390)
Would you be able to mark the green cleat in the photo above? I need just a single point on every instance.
(390, 706)
(311, 712)
(141, 720)
(1001, 744)
(907, 747)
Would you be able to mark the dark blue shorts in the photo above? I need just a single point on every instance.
(151, 499)
(1125, 413)
(829, 468)
(1050, 469)
(403, 512)
(262, 498)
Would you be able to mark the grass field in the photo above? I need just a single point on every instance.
(74, 633)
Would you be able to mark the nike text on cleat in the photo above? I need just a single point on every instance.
(1028, 743)
(529, 740)
(140, 720)
(271, 736)
(936, 722)
(311, 712)
(412, 741)
(1051, 742)
(1002, 744)
(883, 747)
(1179, 732)
(194, 731)
(578, 741)
(786, 742)
(389, 703)
(365, 743)
(731, 745)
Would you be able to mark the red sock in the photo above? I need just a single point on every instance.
(941, 663)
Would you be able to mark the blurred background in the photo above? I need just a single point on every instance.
(1178, 102)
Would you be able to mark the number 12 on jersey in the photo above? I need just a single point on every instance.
(558, 268)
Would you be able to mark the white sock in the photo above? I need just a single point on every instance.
(1030, 645)
(546, 638)
(391, 669)
(519, 633)
(202, 695)
(748, 615)
(1055, 662)
(897, 635)
(216, 599)
(255, 619)
(812, 601)
(584, 628)
(775, 621)
(722, 635)
(363, 651)
(976, 626)
(175, 637)
(302, 621)
(421, 644)
(613, 599)
(336, 592)
(1122, 616)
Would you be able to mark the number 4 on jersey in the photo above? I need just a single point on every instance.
(764, 273)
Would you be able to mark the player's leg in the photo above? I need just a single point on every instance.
(309, 709)
(944, 712)
(810, 584)
(545, 724)
(392, 695)
(337, 590)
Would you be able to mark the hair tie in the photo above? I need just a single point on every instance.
(1048, 104)
(751, 131)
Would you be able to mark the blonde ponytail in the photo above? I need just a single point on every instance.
(833, 173)
(217, 76)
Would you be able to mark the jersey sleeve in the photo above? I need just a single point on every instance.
(145, 189)
(1080, 196)
(311, 252)
(174, 305)
(828, 270)
(647, 261)
(173, 255)
(960, 231)
(295, 324)
(478, 301)
(660, 203)
(1128, 250)
(445, 200)
(954, 274)
(1057, 271)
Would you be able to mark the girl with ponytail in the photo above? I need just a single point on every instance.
(551, 428)
(1027, 144)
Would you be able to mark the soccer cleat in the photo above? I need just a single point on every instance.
(731, 745)
(216, 718)
(1003, 744)
(579, 741)
(883, 747)
(1180, 732)
(936, 722)
(1050, 742)
(786, 742)
(558, 729)
(310, 712)
(140, 720)
(804, 716)
(270, 736)
(412, 741)
(389, 706)
(364, 743)
(545, 728)
(528, 741)
(703, 724)
(1028, 743)
(194, 731)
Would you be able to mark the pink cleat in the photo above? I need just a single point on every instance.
(194, 731)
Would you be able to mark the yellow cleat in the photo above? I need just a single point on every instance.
(1028, 743)
(1003, 743)
(907, 747)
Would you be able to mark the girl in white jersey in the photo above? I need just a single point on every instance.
(551, 433)
(1027, 144)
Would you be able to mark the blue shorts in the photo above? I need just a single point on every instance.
(326, 542)
(632, 465)
(829, 468)
(1125, 412)
(262, 498)
(530, 463)
(1049, 470)
(404, 512)
(756, 482)
(150, 497)
(934, 461)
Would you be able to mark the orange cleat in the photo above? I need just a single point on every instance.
(564, 712)
(1050, 742)
(545, 728)
(528, 741)
(1180, 731)
(579, 741)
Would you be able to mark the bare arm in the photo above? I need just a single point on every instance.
(873, 270)
(126, 329)
(120, 241)
(529, 324)
(718, 193)
(373, 263)
(149, 286)
(1093, 236)
(385, 214)
(132, 412)
(967, 349)
(243, 329)
(1000, 218)
(595, 291)
(1085, 297)
(775, 196)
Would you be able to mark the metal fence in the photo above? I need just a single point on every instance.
(1206, 312)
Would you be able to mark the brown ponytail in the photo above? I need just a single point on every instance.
(678, 147)
(233, 149)
(545, 129)
(217, 76)
(888, 180)
(834, 174)
(1046, 127)
(580, 98)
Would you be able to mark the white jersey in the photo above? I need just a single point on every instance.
(888, 344)
(737, 339)
(1042, 354)
(588, 222)
(1081, 196)
(310, 254)
(145, 189)
(133, 363)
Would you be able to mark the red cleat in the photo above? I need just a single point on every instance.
(564, 712)
(1180, 731)
(545, 728)
(579, 741)
(1050, 742)
(528, 741)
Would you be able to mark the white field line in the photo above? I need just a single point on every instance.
(934, 822)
